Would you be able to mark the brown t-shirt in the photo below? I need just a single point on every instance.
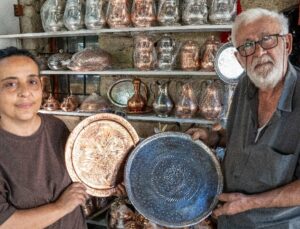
(33, 173)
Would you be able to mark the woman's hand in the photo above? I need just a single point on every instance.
(73, 196)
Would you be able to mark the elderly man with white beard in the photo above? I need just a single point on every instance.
(261, 166)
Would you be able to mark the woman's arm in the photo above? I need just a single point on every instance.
(46, 215)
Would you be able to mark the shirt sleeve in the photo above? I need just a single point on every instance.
(6, 209)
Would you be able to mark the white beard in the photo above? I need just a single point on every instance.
(266, 76)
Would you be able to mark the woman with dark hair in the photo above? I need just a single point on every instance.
(35, 188)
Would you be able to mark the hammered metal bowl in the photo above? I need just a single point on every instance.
(172, 180)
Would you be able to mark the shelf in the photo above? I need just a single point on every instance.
(144, 117)
(131, 72)
(156, 29)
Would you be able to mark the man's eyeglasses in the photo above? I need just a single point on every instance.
(267, 42)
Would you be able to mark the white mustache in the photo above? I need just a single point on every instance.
(262, 60)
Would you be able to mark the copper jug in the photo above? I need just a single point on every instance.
(168, 13)
(195, 12)
(143, 13)
(94, 15)
(137, 103)
(208, 53)
(118, 15)
(210, 106)
(187, 105)
(163, 103)
(222, 11)
(189, 56)
(144, 54)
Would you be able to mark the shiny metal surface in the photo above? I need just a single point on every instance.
(226, 65)
(120, 91)
(96, 150)
(172, 180)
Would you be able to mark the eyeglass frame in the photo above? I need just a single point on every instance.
(260, 43)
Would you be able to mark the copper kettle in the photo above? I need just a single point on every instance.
(189, 56)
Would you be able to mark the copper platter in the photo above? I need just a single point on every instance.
(96, 151)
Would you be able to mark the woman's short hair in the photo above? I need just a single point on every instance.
(13, 51)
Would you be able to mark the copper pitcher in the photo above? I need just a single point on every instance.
(118, 15)
(144, 54)
(74, 14)
(208, 53)
(189, 56)
(163, 103)
(143, 13)
(52, 12)
(210, 106)
(186, 106)
(137, 103)
(167, 51)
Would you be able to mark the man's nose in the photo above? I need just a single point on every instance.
(259, 51)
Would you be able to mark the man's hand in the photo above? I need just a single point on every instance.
(233, 203)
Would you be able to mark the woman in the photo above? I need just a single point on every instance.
(35, 189)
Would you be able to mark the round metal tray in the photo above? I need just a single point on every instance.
(96, 151)
(226, 65)
(172, 180)
(122, 90)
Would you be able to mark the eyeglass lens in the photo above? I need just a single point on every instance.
(267, 42)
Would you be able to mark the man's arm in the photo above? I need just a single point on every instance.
(285, 196)
(46, 215)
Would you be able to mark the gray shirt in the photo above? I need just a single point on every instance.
(257, 165)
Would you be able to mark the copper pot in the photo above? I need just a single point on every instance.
(144, 55)
(189, 56)
(69, 104)
(143, 13)
(208, 53)
(51, 104)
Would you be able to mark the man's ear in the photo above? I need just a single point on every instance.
(289, 43)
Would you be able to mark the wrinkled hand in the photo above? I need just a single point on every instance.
(233, 203)
(74, 195)
(120, 190)
(198, 134)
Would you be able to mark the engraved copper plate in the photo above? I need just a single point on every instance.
(122, 90)
(172, 180)
(96, 151)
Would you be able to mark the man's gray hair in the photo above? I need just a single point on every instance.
(251, 15)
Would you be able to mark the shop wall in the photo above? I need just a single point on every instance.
(121, 49)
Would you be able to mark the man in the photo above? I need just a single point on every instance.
(261, 165)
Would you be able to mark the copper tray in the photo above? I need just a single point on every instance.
(172, 180)
(96, 151)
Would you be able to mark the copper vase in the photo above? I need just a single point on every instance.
(189, 56)
(137, 103)
(143, 13)
(118, 14)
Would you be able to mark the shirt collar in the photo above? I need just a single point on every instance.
(285, 101)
